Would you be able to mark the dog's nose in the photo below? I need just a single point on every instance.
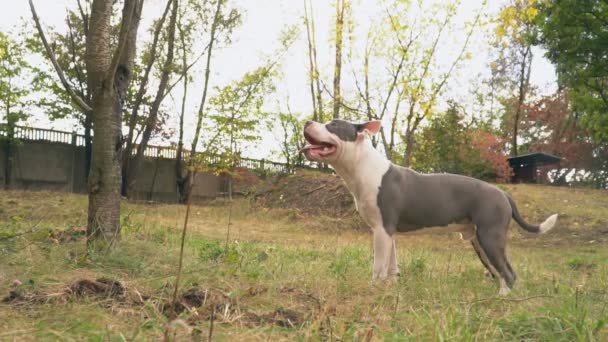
(308, 123)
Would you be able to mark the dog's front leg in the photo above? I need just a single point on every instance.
(383, 249)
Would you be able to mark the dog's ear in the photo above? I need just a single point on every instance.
(371, 127)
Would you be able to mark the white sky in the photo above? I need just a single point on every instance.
(263, 20)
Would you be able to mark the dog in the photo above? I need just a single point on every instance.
(393, 199)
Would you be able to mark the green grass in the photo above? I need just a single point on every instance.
(301, 278)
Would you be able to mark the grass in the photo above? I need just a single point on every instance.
(284, 276)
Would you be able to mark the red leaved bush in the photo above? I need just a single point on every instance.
(490, 149)
(555, 129)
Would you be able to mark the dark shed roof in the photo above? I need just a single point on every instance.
(536, 158)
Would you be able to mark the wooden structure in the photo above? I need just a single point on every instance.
(526, 166)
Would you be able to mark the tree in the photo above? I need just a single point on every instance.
(449, 144)
(575, 34)
(153, 113)
(108, 76)
(235, 116)
(411, 89)
(186, 27)
(59, 100)
(376, 106)
(553, 128)
(313, 71)
(139, 98)
(515, 34)
(13, 95)
(343, 8)
(223, 23)
(289, 136)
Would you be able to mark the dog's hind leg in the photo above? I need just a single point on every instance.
(482, 257)
(492, 240)
(468, 232)
(383, 249)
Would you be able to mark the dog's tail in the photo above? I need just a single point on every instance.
(540, 229)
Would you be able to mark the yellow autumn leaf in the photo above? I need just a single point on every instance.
(468, 55)
(508, 14)
(500, 31)
(531, 13)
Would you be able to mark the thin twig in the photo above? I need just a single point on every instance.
(514, 300)
(315, 189)
(229, 224)
(181, 250)
(31, 230)
(211, 322)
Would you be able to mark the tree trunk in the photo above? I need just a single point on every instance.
(141, 92)
(189, 180)
(88, 142)
(152, 120)
(108, 79)
(179, 169)
(524, 79)
(320, 112)
(409, 149)
(338, 66)
(311, 69)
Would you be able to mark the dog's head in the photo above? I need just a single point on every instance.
(336, 140)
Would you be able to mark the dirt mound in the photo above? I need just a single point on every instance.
(311, 193)
(200, 304)
(215, 306)
(18, 298)
(196, 297)
(282, 317)
(101, 288)
(105, 287)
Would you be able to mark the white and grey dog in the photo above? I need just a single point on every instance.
(393, 199)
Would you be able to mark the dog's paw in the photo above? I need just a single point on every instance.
(504, 291)
(379, 277)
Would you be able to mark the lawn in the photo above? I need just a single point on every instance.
(275, 274)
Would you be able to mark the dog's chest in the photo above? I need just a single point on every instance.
(364, 181)
(367, 207)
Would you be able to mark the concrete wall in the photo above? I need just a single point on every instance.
(56, 166)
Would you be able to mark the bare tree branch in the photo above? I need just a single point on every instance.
(344, 105)
(314, 57)
(447, 75)
(79, 74)
(315, 110)
(139, 96)
(185, 71)
(77, 99)
(85, 18)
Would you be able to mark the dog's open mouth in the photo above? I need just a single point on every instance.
(315, 148)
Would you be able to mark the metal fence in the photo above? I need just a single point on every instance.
(151, 151)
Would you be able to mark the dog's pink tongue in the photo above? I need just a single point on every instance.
(310, 147)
